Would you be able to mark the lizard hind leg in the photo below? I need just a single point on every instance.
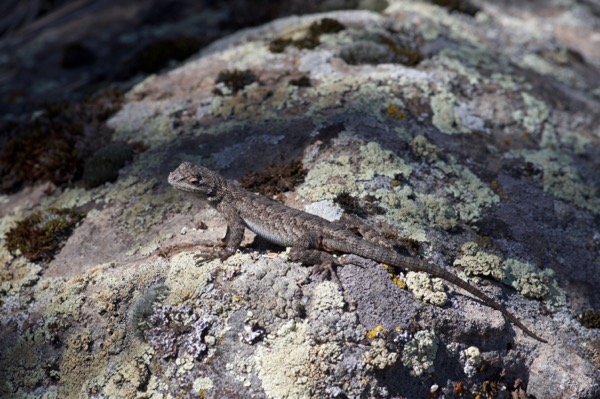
(385, 238)
(306, 252)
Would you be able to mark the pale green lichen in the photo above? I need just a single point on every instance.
(327, 296)
(561, 178)
(532, 285)
(282, 365)
(410, 210)
(419, 353)
(540, 285)
(535, 115)
(203, 385)
(520, 275)
(472, 194)
(326, 180)
(472, 359)
(480, 263)
(539, 64)
(423, 148)
(450, 60)
(445, 118)
(426, 289)
(379, 357)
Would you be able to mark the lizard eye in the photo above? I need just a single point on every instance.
(193, 180)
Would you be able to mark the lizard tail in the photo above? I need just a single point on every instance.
(392, 258)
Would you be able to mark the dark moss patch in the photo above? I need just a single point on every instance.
(52, 146)
(47, 152)
(326, 25)
(312, 37)
(235, 80)
(589, 319)
(40, 235)
(103, 166)
(76, 55)
(275, 179)
(462, 6)
(156, 55)
(303, 81)
(278, 45)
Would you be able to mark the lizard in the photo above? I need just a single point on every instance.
(311, 238)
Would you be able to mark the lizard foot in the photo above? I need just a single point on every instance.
(222, 254)
(327, 270)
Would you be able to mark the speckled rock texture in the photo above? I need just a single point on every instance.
(477, 137)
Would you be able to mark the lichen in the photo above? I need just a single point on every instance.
(284, 362)
(480, 263)
(419, 353)
(534, 116)
(539, 285)
(562, 179)
(472, 359)
(423, 148)
(426, 289)
(377, 331)
(327, 297)
(472, 194)
(520, 275)
(379, 357)
(445, 117)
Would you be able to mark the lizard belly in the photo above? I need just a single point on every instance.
(268, 234)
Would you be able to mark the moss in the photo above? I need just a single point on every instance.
(311, 39)
(326, 25)
(462, 6)
(589, 319)
(44, 151)
(52, 146)
(235, 80)
(103, 166)
(156, 55)
(40, 235)
(76, 55)
(276, 179)
(303, 81)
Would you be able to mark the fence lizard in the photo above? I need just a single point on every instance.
(309, 236)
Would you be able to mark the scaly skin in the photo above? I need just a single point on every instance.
(309, 236)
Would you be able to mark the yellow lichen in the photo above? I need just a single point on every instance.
(376, 332)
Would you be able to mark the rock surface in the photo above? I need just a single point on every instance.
(476, 137)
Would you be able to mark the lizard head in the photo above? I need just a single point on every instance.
(197, 179)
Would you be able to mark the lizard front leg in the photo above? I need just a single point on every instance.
(306, 251)
(233, 236)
